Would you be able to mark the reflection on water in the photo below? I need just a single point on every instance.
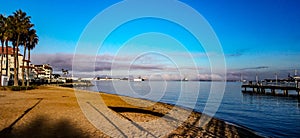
(265, 99)
(268, 115)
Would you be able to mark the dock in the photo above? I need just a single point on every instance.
(272, 89)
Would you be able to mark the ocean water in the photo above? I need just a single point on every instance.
(267, 115)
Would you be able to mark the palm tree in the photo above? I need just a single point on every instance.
(33, 41)
(2, 30)
(5, 35)
(21, 23)
(24, 41)
(17, 30)
(8, 35)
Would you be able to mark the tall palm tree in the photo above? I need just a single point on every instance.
(21, 24)
(24, 41)
(33, 41)
(8, 35)
(17, 30)
(2, 30)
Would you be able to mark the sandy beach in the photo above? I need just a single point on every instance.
(51, 111)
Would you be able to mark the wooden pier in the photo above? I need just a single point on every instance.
(271, 89)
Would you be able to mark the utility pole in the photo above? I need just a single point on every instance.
(276, 78)
(241, 77)
(256, 77)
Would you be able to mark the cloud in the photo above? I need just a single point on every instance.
(255, 68)
(234, 55)
(208, 76)
(251, 73)
(57, 61)
(88, 66)
(85, 63)
(238, 53)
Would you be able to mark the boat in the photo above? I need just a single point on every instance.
(185, 79)
(139, 79)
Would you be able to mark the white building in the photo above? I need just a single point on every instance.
(35, 71)
(43, 71)
(11, 63)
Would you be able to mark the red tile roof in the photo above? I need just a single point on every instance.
(10, 50)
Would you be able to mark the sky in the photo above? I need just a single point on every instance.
(256, 36)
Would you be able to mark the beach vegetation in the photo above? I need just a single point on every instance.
(22, 88)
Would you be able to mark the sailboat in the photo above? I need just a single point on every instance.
(185, 79)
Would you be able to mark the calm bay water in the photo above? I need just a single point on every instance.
(266, 115)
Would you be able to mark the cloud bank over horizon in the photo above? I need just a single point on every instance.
(148, 67)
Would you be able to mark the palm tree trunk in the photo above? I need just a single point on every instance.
(15, 72)
(28, 66)
(2, 54)
(6, 43)
(15, 62)
(15, 66)
(23, 69)
(18, 65)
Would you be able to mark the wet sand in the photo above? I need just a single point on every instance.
(51, 111)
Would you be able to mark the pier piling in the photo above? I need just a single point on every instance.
(261, 89)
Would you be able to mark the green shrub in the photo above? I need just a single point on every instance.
(19, 88)
(15, 88)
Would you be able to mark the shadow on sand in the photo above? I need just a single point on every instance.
(135, 110)
(191, 127)
(41, 127)
(214, 128)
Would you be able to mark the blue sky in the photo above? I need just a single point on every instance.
(256, 35)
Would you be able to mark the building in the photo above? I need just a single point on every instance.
(42, 72)
(10, 58)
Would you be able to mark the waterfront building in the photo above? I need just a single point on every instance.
(35, 71)
(10, 58)
(43, 71)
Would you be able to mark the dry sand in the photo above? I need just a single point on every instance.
(55, 112)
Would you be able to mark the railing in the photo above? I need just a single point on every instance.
(281, 84)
